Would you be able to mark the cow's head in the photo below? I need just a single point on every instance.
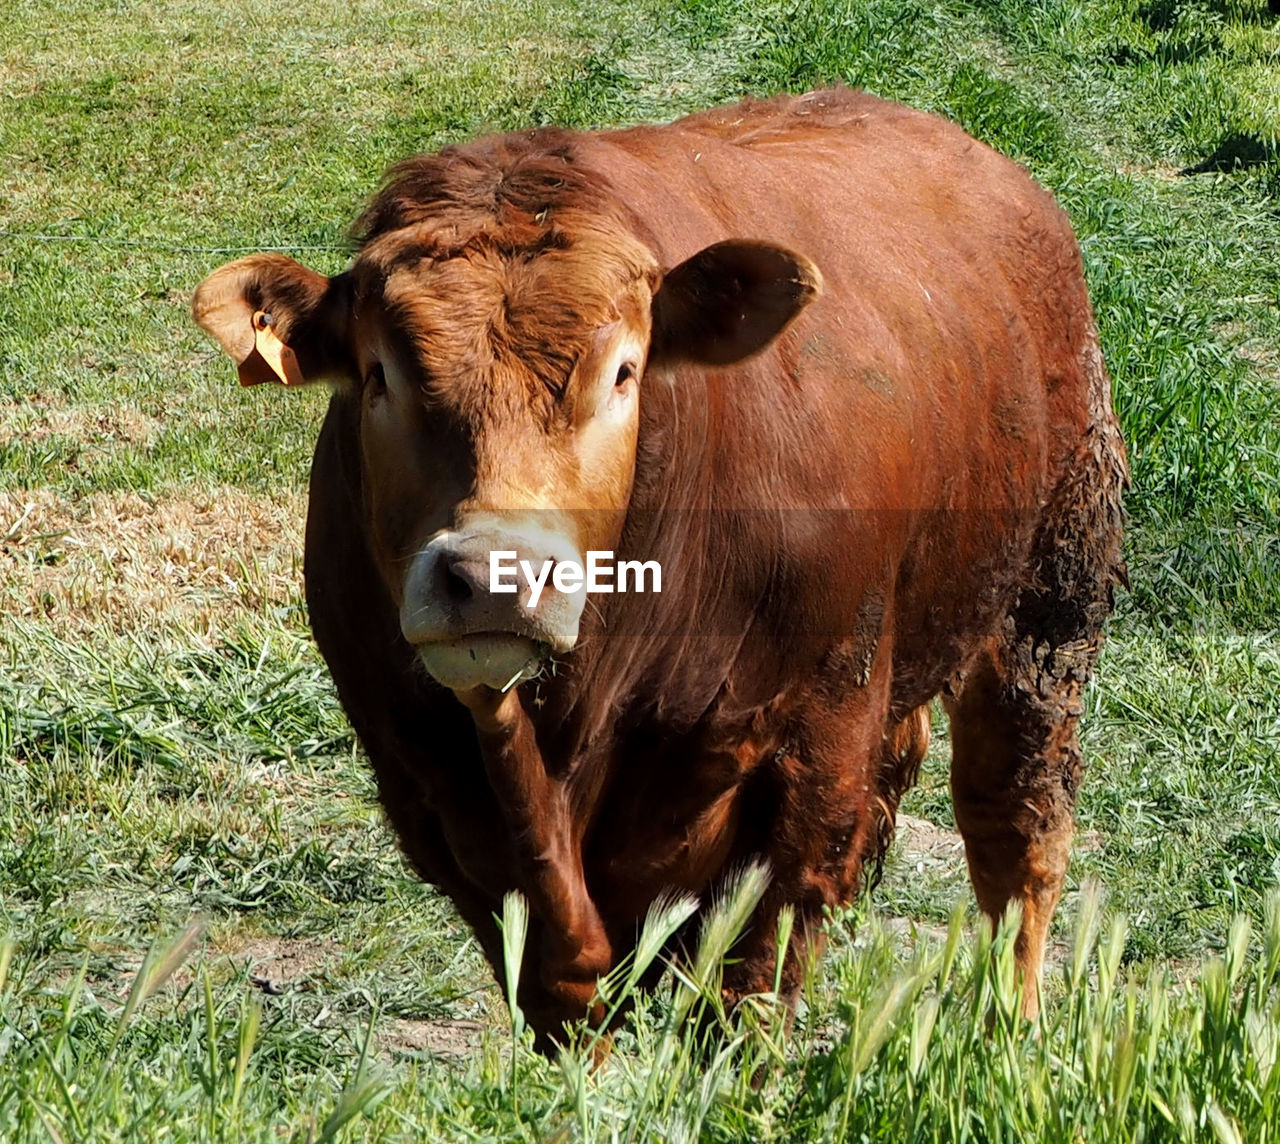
(498, 354)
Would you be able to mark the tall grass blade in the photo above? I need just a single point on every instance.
(1269, 964)
(171, 959)
(359, 1100)
(955, 935)
(515, 929)
(1237, 951)
(156, 969)
(1109, 957)
(1088, 922)
(923, 1021)
(786, 924)
(7, 946)
(211, 1037)
(249, 1021)
(868, 1036)
(661, 921)
(1225, 1130)
(722, 926)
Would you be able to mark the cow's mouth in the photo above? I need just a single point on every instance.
(498, 660)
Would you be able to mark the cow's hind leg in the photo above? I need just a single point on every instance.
(1016, 759)
(1016, 766)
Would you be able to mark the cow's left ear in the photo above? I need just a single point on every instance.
(729, 301)
(278, 320)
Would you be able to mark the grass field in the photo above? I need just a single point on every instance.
(211, 935)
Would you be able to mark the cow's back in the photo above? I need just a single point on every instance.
(953, 300)
(922, 411)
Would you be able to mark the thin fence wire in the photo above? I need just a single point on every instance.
(167, 248)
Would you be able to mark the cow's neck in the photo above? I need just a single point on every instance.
(677, 648)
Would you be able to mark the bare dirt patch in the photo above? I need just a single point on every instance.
(923, 844)
(447, 1037)
(277, 965)
(1262, 356)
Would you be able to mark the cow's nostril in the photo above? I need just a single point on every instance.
(457, 588)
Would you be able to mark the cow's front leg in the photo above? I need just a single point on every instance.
(573, 949)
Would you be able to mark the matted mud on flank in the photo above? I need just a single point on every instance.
(119, 560)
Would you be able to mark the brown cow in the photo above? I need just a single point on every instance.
(832, 364)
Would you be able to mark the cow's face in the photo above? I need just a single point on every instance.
(499, 395)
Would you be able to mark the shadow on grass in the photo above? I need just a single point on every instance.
(1237, 151)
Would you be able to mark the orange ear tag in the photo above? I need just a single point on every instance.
(282, 360)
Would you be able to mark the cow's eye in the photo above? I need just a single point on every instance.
(375, 381)
(626, 371)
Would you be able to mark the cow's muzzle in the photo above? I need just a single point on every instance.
(468, 635)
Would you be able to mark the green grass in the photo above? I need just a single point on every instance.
(927, 1047)
(170, 746)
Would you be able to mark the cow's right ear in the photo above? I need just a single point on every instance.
(278, 320)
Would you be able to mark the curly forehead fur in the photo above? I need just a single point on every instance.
(501, 256)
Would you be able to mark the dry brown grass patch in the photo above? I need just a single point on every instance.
(43, 416)
(195, 563)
